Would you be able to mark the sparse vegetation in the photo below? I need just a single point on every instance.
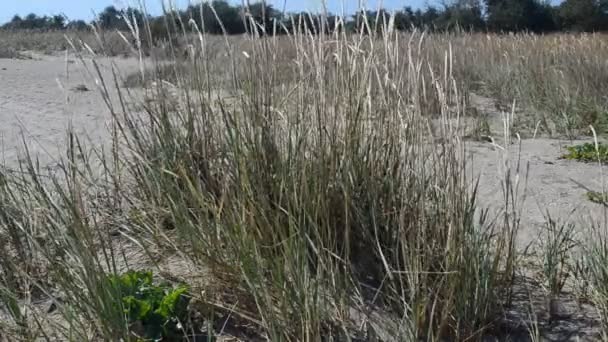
(587, 152)
(598, 197)
(53, 42)
(538, 75)
(10, 53)
(594, 264)
(558, 243)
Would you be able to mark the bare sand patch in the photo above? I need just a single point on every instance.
(40, 98)
(550, 184)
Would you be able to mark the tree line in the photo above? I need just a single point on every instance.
(478, 15)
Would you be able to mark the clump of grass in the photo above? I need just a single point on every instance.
(313, 204)
(558, 242)
(587, 152)
(594, 264)
(305, 193)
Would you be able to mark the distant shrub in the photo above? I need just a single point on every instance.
(10, 53)
(112, 44)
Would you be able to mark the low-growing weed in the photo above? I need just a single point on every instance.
(598, 197)
(587, 152)
(154, 311)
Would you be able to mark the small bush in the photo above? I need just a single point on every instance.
(587, 152)
(153, 311)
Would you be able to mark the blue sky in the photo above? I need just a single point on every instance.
(83, 9)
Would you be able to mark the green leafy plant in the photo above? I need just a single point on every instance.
(598, 197)
(154, 311)
(587, 152)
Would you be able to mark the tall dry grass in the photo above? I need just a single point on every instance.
(556, 80)
(53, 42)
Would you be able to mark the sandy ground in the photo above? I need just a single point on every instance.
(39, 99)
(548, 185)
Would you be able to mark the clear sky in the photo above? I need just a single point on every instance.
(84, 9)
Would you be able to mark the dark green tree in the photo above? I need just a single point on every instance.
(263, 15)
(466, 14)
(110, 18)
(229, 16)
(34, 22)
(57, 22)
(427, 19)
(519, 15)
(77, 25)
(584, 15)
(15, 23)
(405, 19)
(370, 21)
